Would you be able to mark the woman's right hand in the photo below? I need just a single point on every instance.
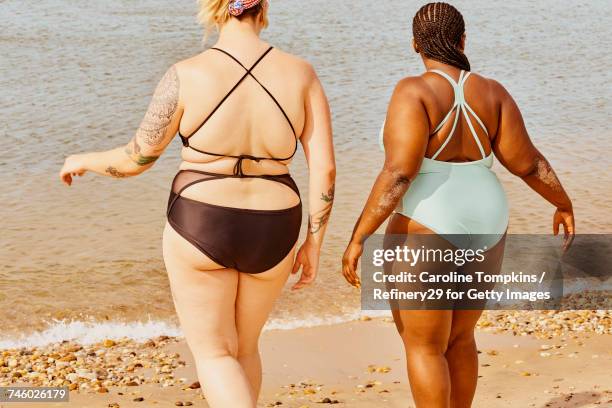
(73, 166)
(308, 259)
(566, 218)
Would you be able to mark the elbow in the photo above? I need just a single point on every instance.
(526, 168)
(331, 172)
(131, 169)
(136, 170)
(399, 175)
(520, 163)
(327, 171)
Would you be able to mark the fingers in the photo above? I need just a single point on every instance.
(346, 272)
(306, 279)
(307, 276)
(569, 234)
(296, 266)
(349, 273)
(66, 178)
(567, 242)
(300, 284)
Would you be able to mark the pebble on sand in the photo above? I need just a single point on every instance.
(96, 368)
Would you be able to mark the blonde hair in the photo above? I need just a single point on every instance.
(215, 13)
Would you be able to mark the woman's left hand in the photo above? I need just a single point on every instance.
(73, 166)
(349, 263)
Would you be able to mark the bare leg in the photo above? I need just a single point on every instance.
(204, 296)
(462, 354)
(462, 358)
(256, 297)
(425, 335)
(440, 345)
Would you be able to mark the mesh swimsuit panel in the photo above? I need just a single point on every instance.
(248, 240)
(463, 202)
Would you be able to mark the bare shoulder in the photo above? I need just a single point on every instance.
(194, 64)
(495, 87)
(298, 65)
(413, 87)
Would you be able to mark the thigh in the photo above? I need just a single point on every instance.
(204, 299)
(490, 265)
(463, 324)
(424, 327)
(403, 232)
(255, 299)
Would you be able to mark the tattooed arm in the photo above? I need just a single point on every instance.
(516, 152)
(319, 150)
(155, 132)
(405, 139)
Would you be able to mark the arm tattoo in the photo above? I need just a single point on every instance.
(159, 115)
(161, 109)
(114, 172)
(320, 219)
(546, 175)
(329, 197)
(134, 151)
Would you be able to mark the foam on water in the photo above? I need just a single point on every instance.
(89, 332)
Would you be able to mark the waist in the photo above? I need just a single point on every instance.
(259, 191)
(227, 165)
(437, 166)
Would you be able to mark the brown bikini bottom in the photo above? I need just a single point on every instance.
(250, 241)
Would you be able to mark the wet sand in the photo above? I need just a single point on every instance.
(355, 364)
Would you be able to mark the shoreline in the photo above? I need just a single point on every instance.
(543, 369)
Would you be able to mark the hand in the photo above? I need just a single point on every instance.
(73, 166)
(565, 217)
(349, 263)
(308, 259)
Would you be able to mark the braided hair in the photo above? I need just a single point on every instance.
(437, 29)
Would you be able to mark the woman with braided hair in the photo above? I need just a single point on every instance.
(437, 177)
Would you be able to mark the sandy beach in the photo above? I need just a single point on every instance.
(82, 281)
(355, 364)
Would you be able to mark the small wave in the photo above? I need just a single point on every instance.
(88, 332)
(91, 332)
(314, 321)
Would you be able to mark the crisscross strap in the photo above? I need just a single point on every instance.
(249, 72)
(240, 158)
(460, 105)
(189, 177)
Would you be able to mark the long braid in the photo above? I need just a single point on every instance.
(437, 29)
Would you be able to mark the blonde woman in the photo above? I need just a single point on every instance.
(234, 213)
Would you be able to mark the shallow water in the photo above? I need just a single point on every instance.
(77, 75)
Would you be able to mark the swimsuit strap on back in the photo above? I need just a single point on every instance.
(240, 158)
(459, 106)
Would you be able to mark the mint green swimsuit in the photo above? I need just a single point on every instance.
(463, 202)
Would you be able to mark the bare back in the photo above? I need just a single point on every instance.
(438, 97)
(262, 115)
